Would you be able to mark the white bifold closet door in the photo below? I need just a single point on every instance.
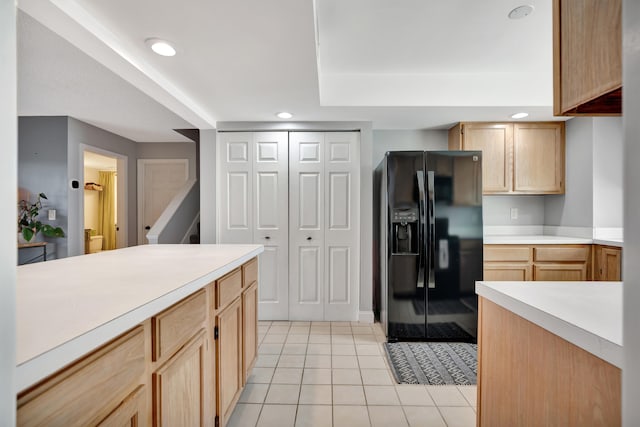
(252, 208)
(324, 196)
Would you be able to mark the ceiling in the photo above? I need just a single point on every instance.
(405, 64)
(98, 161)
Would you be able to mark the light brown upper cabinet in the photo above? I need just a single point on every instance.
(517, 158)
(587, 57)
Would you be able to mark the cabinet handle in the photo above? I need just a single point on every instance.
(267, 237)
(147, 227)
(309, 238)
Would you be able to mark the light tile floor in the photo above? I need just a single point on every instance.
(320, 374)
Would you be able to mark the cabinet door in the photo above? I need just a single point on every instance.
(560, 272)
(341, 202)
(271, 221)
(587, 57)
(306, 235)
(538, 158)
(131, 413)
(495, 140)
(229, 358)
(178, 387)
(609, 264)
(249, 328)
(511, 272)
(235, 154)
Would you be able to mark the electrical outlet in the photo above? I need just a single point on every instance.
(514, 213)
(52, 214)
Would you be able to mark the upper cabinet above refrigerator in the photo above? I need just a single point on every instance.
(587, 57)
(518, 158)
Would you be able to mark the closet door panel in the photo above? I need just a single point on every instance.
(306, 236)
(341, 231)
(271, 222)
(235, 221)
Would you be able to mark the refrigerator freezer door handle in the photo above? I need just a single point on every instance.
(431, 238)
(421, 230)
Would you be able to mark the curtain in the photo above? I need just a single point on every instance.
(107, 210)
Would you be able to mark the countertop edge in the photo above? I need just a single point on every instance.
(588, 341)
(498, 239)
(38, 368)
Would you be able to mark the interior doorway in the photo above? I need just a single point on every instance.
(158, 182)
(103, 201)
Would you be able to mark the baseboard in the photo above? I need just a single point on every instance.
(365, 317)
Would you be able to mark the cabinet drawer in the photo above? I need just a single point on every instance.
(506, 253)
(249, 273)
(564, 253)
(228, 288)
(89, 390)
(175, 326)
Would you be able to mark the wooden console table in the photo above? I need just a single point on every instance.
(42, 245)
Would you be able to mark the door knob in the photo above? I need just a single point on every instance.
(309, 238)
(147, 228)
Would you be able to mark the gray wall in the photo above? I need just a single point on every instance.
(631, 269)
(396, 140)
(208, 186)
(496, 210)
(575, 207)
(169, 150)
(42, 168)
(8, 185)
(607, 172)
(84, 133)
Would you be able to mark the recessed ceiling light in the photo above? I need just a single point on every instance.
(284, 115)
(161, 47)
(521, 12)
(519, 115)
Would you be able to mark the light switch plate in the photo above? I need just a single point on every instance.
(514, 213)
(52, 214)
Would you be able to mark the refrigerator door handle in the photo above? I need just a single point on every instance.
(431, 239)
(421, 228)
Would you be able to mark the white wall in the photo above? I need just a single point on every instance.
(575, 207)
(8, 194)
(607, 172)
(631, 254)
(91, 199)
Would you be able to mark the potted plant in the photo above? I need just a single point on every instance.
(28, 223)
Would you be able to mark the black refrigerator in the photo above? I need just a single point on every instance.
(428, 244)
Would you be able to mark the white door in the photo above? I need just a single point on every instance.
(253, 208)
(306, 216)
(342, 227)
(271, 222)
(235, 218)
(159, 181)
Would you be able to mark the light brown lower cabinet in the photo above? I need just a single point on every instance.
(528, 376)
(178, 387)
(250, 336)
(537, 262)
(229, 358)
(185, 366)
(607, 263)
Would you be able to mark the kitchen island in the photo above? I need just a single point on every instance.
(155, 332)
(550, 353)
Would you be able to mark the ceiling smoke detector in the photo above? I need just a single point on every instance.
(521, 12)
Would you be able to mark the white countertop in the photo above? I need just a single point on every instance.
(534, 240)
(587, 314)
(66, 308)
